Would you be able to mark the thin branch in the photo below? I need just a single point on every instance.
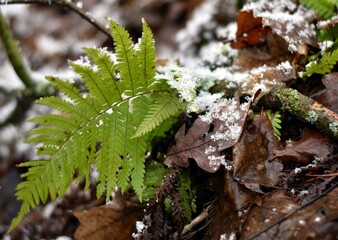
(13, 53)
(66, 4)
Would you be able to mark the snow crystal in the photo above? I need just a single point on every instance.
(210, 149)
(84, 61)
(318, 219)
(79, 4)
(214, 53)
(285, 67)
(214, 161)
(324, 46)
(139, 228)
(48, 210)
(184, 81)
(301, 222)
(228, 32)
(303, 193)
(232, 236)
(63, 238)
(206, 99)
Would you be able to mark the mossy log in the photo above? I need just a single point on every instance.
(304, 108)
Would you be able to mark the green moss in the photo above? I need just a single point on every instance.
(290, 99)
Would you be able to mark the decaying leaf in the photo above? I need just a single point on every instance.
(114, 221)
(251, 154)
(219, 129)
(329, 97)
(282, 217)
(313, 144)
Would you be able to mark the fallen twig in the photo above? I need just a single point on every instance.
(303, 107)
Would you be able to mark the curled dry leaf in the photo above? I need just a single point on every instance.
(115, 221)
(219, 129)
(313, 144)
(251, 154)
(329, 97)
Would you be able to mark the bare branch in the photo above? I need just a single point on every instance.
(13, 53)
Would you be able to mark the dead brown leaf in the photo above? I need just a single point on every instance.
(252, 152)
(313, 144)
(204, 141)
(115, 221)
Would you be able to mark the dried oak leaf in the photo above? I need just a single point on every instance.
(329, 97)
(204, 141)
(313, 144)
(251, 154)
(281, 217)
(115, 221)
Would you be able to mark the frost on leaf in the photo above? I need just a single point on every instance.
(286, 19)
(219, 129)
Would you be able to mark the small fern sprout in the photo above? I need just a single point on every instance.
(275, 119)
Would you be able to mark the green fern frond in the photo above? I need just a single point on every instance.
(98, 127)
(324, 66)
(324, 8)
